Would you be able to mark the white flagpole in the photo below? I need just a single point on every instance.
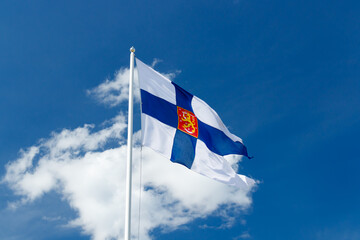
(127, 229)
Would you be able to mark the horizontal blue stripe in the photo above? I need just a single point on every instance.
(184, 145)
(218, 142)
(159, 108)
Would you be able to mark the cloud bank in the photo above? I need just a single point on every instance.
(89, 174)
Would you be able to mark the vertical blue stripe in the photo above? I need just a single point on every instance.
(183, 151)
(183, 98)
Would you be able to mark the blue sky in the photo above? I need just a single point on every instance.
(283, 75)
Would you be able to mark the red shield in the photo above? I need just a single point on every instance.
(187, 122)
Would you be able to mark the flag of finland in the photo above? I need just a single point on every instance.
(184, 129)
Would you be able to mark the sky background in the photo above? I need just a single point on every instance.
(283, 76)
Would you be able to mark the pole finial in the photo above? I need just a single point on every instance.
(132, 49)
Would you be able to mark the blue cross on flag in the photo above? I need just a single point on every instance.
(184, 129)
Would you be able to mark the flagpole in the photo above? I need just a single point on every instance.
(127, 230)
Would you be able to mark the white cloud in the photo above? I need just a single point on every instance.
(244, 235)
(116, 91)
(91, 177)
(155, 62)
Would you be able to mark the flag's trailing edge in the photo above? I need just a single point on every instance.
(184, 129)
